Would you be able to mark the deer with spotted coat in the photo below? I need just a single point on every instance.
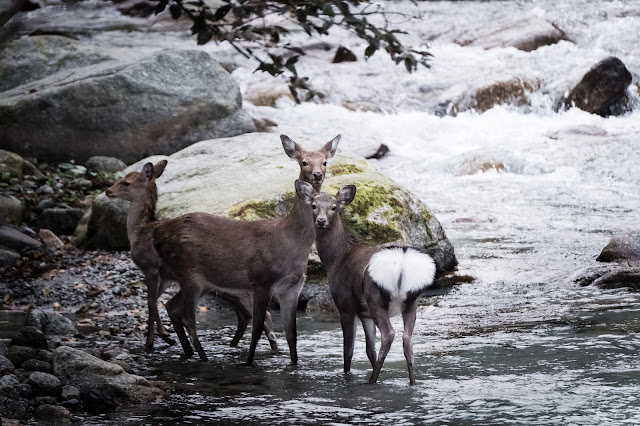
(204, 252)
(139, 188)
(373, 283)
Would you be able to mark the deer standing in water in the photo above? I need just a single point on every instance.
(139, 188)
(203, 252)
(373, 283)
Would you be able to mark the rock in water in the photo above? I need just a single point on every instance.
(344, 55)
(128, 108)
(603, 89)
(382, 211)
(622, 247)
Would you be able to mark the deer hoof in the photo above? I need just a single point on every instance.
(168, 340)
(148, 348)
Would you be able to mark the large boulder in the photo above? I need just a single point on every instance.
(526, 34)
(250, 177)
(89, 373)
(126, 108)
(603, 89)
(622, 247)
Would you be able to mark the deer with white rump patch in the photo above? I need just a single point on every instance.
(266, 257)
(373, 283)
(139, 188)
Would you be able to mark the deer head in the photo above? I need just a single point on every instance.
(134, 184)
(313, 164)
(326, 208)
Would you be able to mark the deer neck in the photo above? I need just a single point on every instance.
(142, 212)
(299, 222)
(332, 243)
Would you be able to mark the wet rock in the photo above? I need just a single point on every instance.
(8, 8)
(627, 278)
(88, 373)
(104, 164)
(9, 392)
(525, 34)
(44, 384)
(51, 413)
(581, 130)
(51, 323)
(381, 152)
(72, 404)
(381, 212)
(603, 89)
(344, 55)
(479, 164)
(12, 238)
(36, 365)
(30, 337)
(134, 111)
(70, 392)
(13, 409)
(9, 380)
(514, 92)
(267, 94)
(8, 257)
(621, 247)
(11, 209)
(95, 401)
(5, 364)
(61, 221)
(19, 354)
(39, 400)
(50, 240)
(141, 9)
(45, 190)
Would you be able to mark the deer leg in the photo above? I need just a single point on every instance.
(162, 332)
(269, 332)
(387, 334)
(152, 306)
(242, 308)
(409, 318)
(370, 337)
(348, 323)
(174, 308)
(261, 297)
(288, 307)
(189, 319)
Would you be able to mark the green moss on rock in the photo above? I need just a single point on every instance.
(345, 169)
(253, 210)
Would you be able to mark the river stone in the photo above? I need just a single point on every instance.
(50, 240)
(621, 247)
(130, 108)
(61, 221)
(619, 278)
(5, 365)
(44, 384)
(16, 166)
(603, 89)
(8, 8)
(19, 354)
(51, 413)
(31, 337)
(252, 178)
(11, 209)
(36, 365)
(100, 163)
(514, 92)
(525, 34)
(12, 238)
(12, 409)
(8, 257)
(51, 323)
(87, 373)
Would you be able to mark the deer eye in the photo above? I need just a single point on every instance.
(313, 206)
(304, 163)
(333, 208)
(324, 164)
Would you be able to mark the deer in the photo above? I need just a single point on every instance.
(267, 257)
(371, 282)
(140, 189)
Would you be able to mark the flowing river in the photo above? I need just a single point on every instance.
(522, 344)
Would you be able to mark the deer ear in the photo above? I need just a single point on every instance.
(147, 172)
(159, 168)
(346, 194)
(305, 191)
(330, 147)
(290, 147)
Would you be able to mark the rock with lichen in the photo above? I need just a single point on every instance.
(249, 177)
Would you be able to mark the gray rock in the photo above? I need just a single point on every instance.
(61, 221)
(8, 257)
(381, 212)
(36, 365)
(11, 209)
(5, 364)
(70, 392)
(8, 8)
(620, 278)
(16, 166)
(88, 373)
(33, 58)
(622, 247)
(44, 384)
(13, 409)
(14, 239)
(19, 354)
(525, 34)
(603, 89)
(9, 380)
(45, 190)
(156, 104)
(9, 392)
(31, 337)
(50, 240)
(100, 163)
(51, 413)
(51, 323)
(96, 401)
(24, 390)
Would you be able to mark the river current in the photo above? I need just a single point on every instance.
(523, 344)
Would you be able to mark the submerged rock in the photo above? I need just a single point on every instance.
(603, 89)
(252, 178)
(514, 91)
(621, 278)
(621, 247)
(130, 108)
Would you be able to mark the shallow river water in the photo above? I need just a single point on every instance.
(523, 344)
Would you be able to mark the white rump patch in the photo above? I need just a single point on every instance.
(400, 271)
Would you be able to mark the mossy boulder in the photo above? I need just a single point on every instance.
(249, 177)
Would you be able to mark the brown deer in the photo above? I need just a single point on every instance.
(139, 188)
(203, 252)
(373, 283)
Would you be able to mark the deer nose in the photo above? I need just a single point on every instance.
(317, 176)
(321, 221)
